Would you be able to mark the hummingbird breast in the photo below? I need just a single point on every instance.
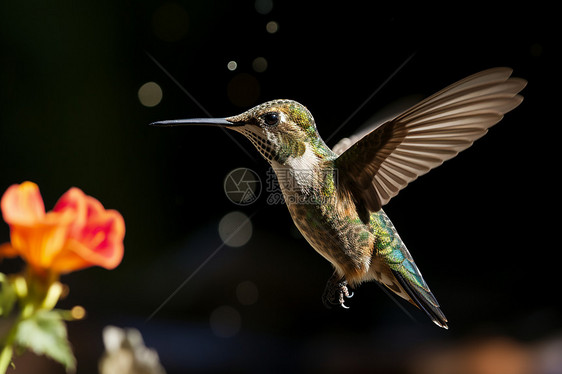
(328, 219)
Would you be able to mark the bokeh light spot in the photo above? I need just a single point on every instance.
(263, 6)
(259, 64)
(225, 321)
(247, 293)
(78, 312)
(170, 22)
(150, 94)
(243, 90)
(232, 65)
(272, 27)
(235, 229)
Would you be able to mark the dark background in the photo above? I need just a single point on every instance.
(481, 227)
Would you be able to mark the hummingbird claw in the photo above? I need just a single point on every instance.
(335, 291)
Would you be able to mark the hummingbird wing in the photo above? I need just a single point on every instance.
(384, 161)
(385, 114)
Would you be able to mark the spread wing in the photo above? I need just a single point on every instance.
(384, 161)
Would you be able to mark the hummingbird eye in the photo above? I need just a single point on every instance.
(271, 119)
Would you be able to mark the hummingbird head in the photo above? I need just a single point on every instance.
(279, 129)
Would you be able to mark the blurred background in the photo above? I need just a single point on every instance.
(79, 83)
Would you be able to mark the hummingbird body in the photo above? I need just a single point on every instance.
(335, 196)
(329, 220)
(325, 215)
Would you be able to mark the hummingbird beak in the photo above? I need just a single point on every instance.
(223, 122)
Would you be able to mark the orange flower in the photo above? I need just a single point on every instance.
(76, 234)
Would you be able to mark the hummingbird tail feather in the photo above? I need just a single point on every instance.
(423, 299)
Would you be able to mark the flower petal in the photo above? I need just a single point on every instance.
(103, 235)
(74, 200)
(78, 233)
(69, 259)
(40, 243)
(35, 235)
(95, 238)
(76, 256)
(22, 204)
(6, 250)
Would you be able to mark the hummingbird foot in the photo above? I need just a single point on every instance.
(335, 292)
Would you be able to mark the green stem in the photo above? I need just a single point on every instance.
(5, 358)
(8, 349)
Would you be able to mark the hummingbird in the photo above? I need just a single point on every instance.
(335, 195)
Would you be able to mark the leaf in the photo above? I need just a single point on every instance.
(45, 334)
